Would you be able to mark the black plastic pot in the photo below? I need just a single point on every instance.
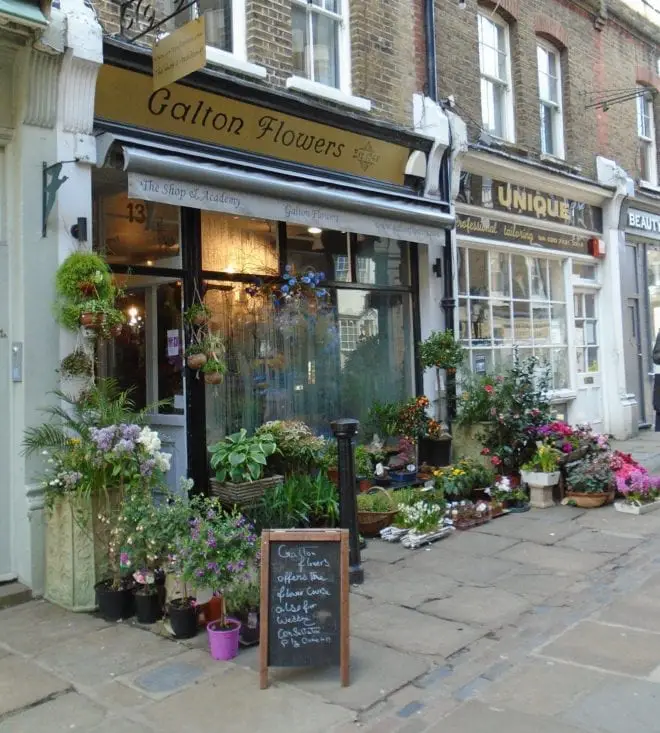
(435, 452)
(148, 608)
(183, 618)
(114, 604)
(249, 632)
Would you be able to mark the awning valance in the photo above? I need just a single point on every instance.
(180, 180)
(23, 12)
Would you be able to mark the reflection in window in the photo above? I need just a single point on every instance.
(586, 332)
(653, 285)
(321, 250)
(527, 310)
(235, 244)
(381, 261)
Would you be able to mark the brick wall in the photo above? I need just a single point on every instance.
(387, 60)
(597, 54)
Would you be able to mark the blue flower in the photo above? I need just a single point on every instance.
(321, 275)
(288, 268)
(305, 280)
(292, 281)
(321, 293)
(285, 288)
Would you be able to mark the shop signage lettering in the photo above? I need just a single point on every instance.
(487, 228)
(506, 196)
(180, 53)
(645, 222)
(128, 97)
(179, 193)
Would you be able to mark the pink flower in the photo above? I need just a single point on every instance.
(485, 451)
(488, 389)
(496, 461)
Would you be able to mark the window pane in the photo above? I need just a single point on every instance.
(520, 276)
(558, 325)
(299, 40)
(584, 272)
(478, 272)
(499, 273)
(462, 270)
(541, 316)
(581, 356)
(463, 320)
(579, 333)
(480, 322)
(502, 359)
(522, 324)
(482, 361)
(645, 150)
(653, 284)
(547, 130)
(502, 325)
(560, 368)
(590, 305)
(540, 279)
(590, 332)
(326, 62)
(218, 23)
(592, 359)
(381, 261)
(322, 252)
(493, 107)
(556, 280)
(578, 305)
(237, 244)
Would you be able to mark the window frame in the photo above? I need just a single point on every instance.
(557, 108)
(509, 132)
(644, 103)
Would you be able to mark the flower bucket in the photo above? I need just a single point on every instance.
(223, 644)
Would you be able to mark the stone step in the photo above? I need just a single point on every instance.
(13, 594)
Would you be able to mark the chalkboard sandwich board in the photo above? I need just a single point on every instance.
(304, 600)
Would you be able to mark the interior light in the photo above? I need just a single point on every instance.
(314, 230)
(150, 263)
(230, 269)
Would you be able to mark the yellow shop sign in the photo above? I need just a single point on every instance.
(128, 97)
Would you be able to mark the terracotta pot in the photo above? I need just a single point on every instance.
(333, 475)
(364, 484)
(588, 501)
(92, 320)
(213, 377)
(200, 319)
(196, 361)
(211, 611)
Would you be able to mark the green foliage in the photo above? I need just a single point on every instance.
(243, 595)
(198, 314)
(441, 351)
(593, 475)
(461, 479)
(385, 418)
(214, 366)
(84, 276)
(376, 501)
(474, 403)
(363, 462)
(545, 460)
(77, 364)
(407, 418)
(240, 458)
(298, 449)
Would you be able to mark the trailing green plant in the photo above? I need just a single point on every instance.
(364, 466)
(197, 315)
(196, 348)
(77, 364)
(298, 449)
(441, 351)
(545, 460)
(385, 418)
(214, 366)
(239, 457)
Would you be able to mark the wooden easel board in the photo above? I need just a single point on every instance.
(304, 600)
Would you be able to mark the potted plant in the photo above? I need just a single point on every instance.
(541, 474)
(298, 449)
(513, 498)
(421, 517)
(76, 364)
(375, 511)
(219, 550)
(590, 481)
(242, 601)
(239, 462)
(364, 468)
(198, 314)
(473, 414)
(463, 480)
(213, 370)
(638, 489)
(196, 356)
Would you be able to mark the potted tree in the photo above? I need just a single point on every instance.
(541, 474)
(239, 462)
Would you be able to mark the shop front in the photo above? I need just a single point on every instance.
(526, 279)
(204, 198)
(640, 285)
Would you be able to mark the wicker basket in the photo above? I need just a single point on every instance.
(370, 523)
(243, 494)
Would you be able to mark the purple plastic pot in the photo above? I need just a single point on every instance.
(223, 644)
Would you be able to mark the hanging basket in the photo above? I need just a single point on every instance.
(213, 377)
(243, 494)
(196, 361)
(94, 321)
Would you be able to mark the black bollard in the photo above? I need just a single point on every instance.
(344, 431)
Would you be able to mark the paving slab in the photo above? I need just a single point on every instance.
(478, 543)
(412, 632)
(35, 626)
(359, 600)
(536, 584)
(590, 540)
(475, 717)
(390, 552)
(541, 532)
(553, 558)
(609, 520)
(637, 610)
(477, 607)
(23, 683)
(68, 712)
(97, 658)
(408, 586)
(121, 725)
(442, 560)
(609, 648)
(376, 672)
(618, 706)
(234, 704)
(541, 687)
(554, 514)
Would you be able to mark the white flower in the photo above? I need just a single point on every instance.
(149, 440)
(163, 461)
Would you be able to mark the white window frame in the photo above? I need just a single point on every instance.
(236, 59)
(644, 103)
(342, 94)
(509, 126)
(557, 108)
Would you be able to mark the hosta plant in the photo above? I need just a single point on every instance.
(240, 458)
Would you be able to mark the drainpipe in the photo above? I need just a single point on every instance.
(448, 300)
(431, 62)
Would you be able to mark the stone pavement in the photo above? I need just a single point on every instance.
(545, 622)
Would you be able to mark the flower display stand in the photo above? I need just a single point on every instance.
(625, 508)
(74, 559)
(541, 487)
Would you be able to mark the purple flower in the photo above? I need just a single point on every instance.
(147, 467)
(124, 560)
(199, 573)
(103, 437)
(567, 448)
(124, 446)
(211, 540)
(130, 432)
(212, 566)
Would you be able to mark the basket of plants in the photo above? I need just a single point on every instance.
(376, 510)
(466, 514)
(239, 462)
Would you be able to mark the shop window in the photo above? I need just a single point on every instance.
(240, 245)
(495, 68)
(381, 261)
(526, 308)
(653, 285)
(646, 137)
(550, 100)
(317, 27)
(584, 271)
(586, 332)
(131, 231)
(321, 250)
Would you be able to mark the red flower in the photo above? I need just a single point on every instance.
(488, 388)
(485, 451)
(496, 461)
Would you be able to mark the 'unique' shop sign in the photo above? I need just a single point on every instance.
(487, 228)
(514, 199)
(128, 97)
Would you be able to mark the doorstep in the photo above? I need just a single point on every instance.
(13, 594)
